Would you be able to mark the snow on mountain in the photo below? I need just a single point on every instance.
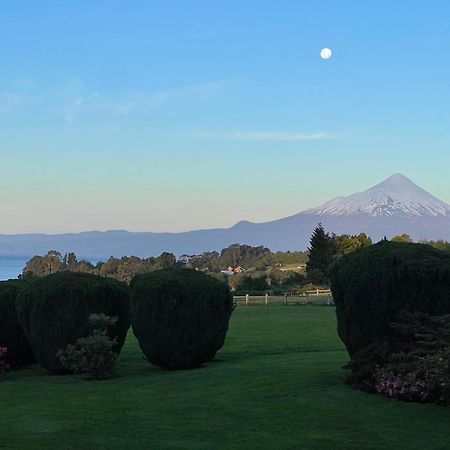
(392, 207)
(397, 196)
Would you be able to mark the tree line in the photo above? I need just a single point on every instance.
(264, 270)
(123, 269)
(326, 248)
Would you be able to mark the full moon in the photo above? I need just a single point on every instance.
(326, 53)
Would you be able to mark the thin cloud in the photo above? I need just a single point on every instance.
(265, 136)
(277, 136)
(23, 84)
(71, 99)
(140, 101)
(12, 100)
(71, 113)
(81, 102)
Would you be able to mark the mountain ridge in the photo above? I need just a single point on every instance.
(394, 206)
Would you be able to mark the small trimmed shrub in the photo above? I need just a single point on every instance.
(11, 332)
(54, 312)
(180, 317)
(372, 285)
(4, 366)
(93, 354)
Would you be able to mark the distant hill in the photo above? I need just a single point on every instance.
(395, 206)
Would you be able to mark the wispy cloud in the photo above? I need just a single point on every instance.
(277, 136)
(139, 101)
(23, 83)
(71, 112)
(81, 102)
(71, 99)
(10, 100)
(274, 136)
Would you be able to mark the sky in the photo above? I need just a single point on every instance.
(170, 116)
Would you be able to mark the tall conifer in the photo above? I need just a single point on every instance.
(322, 252)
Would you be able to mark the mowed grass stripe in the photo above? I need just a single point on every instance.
(277, 383)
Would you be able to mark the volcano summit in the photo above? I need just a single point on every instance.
(397, 196)
(395, 206)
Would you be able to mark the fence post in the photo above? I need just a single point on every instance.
(246, 299)
(285, 298)
(266, 300)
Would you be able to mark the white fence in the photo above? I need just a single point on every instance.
(315, 297)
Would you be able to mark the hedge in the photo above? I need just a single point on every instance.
(180, 316)
(11, 333)
(54, 312)
(372, 285)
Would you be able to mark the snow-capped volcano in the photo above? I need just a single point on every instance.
(393, 207)
(397, 196)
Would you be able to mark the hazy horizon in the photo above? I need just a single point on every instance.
(403, 177)
(182, 116)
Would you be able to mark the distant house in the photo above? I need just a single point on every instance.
(185, 259)
(230, 270)
(237, 269)
(227, 272)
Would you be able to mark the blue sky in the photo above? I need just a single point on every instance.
(167, 116)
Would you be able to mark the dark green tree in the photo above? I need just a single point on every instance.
(41, 266)
(402, 238)
(70, 261)
(242, 254)
(166, 260)
(253, 284)
(440, 244)
(323, 251)
(347, 244)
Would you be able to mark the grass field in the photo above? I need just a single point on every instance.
(277, 383)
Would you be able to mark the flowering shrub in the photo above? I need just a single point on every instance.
(4, 366)
(415, 366)
(404, 387)
(93, 354)
(426, 379)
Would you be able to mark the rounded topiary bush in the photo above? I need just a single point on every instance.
(180, 317)
(372, 285)
(54, 312)
(11, 334)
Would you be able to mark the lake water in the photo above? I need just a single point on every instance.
(12, 266)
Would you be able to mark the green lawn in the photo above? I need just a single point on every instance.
(277, 383)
